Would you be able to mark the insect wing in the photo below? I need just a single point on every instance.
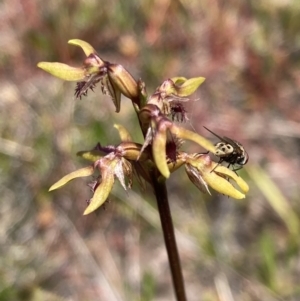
(234, 143)
(224, 139)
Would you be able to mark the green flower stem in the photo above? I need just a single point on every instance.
(161, 194)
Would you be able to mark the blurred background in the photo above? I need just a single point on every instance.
(249, 52)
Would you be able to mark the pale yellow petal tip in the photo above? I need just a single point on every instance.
(165, 173)
(243, 185)
(96, 202)
(232, 175)
(237, 195)
(103, 190)
(83, 172)
(87, 211)
(53, 187)
(86, 47)
(43, 65)
(226, 188)
(123, 133)
(93, 206)
(63, 71)
(159, 154)
(58, 184)
(189, 86)
(162, 166)
(92, 155)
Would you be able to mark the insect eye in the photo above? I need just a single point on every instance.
(242, 160)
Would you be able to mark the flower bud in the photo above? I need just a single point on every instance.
(123, 80)
(131, 151)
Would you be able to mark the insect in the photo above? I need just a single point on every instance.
(230, 151)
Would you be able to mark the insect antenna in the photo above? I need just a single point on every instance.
(214, 133)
